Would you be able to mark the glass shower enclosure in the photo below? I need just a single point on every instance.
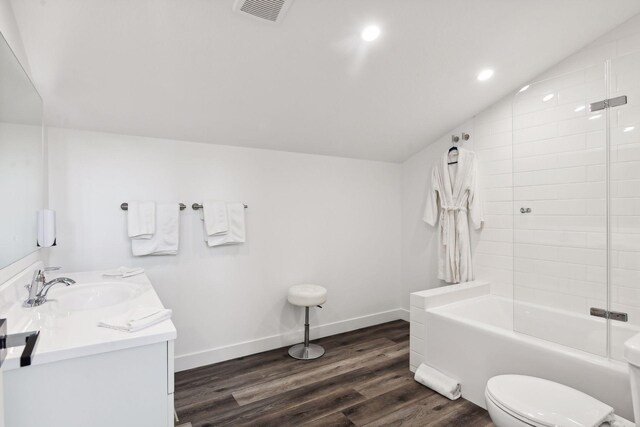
(576, 207)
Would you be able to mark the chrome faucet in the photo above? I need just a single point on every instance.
(39, 297)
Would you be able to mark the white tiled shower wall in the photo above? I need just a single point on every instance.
(559, 172)
(551, 158)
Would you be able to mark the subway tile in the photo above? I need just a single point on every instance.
(621, 136)
(552, 238)
(596, 139)
(625, 206)
(495, 248)
(493, 140)
(625, 189)
(596, 173)
(571, 143)
(582, 190)
(597, 240)
(497, 194)
(494, 167)
(625, 171)
(558, 207)
(496, 181)
(498, 221)
(536, 133)
(498, 208)
(535, 192)
(595, 223)
(625, 260)
(494, 261)
(581, 125)
(625, 223)
(598, 273)
(551, 176)
(496, 153)
(417, 315)
(596, 207)
(625, 242)
(497, 235)
(625, 277)
(551, 268)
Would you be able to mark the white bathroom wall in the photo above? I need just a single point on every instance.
(492, 133)
(311, 219)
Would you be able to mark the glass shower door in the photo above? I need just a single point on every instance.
(560, 210)
(624, 196)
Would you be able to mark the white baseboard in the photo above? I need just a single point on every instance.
(404, 314)
(220, 354)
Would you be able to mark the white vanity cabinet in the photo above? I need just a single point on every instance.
(130, 387)
(82, 375)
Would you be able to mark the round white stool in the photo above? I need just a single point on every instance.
(306, 296)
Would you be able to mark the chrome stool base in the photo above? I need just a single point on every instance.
(305, 350)
(302, 352)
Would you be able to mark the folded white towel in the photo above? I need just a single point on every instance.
(236, 233)
(123, 272)
(438, 382)
(166, 238)
(214, 215)
(141, 219)
(136, 319)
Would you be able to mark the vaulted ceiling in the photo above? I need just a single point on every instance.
(195, 70)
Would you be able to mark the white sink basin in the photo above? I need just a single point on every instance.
(91, 296)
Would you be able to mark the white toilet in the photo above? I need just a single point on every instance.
(520, 400)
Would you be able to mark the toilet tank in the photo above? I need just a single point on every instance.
(632, 355)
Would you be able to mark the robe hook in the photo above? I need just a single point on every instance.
(465, 136)
(455, 138)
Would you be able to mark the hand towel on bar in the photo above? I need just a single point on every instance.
(438, 382)
(214, 215)
(236, 233)
(141, 219)
(123, 272)
(165, 239)
(136, 319)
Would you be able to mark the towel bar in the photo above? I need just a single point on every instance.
(125, 206)
(197, 206)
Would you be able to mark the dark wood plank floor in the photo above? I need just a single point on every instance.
(362, 380)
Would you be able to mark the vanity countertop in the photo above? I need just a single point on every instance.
(68, 321)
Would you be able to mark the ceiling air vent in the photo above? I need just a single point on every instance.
(265, 10)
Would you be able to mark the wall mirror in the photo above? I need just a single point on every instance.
(21, 159)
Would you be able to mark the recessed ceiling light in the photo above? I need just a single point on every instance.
(370, 33)
(597, 116)
(485, 75)
(524, 88)
(629, 128)
(548, 97)
(579, 108)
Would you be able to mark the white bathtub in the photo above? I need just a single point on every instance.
(466, 332)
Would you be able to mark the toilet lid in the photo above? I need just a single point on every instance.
(545, 403)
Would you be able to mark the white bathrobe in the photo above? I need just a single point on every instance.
(453, 198)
